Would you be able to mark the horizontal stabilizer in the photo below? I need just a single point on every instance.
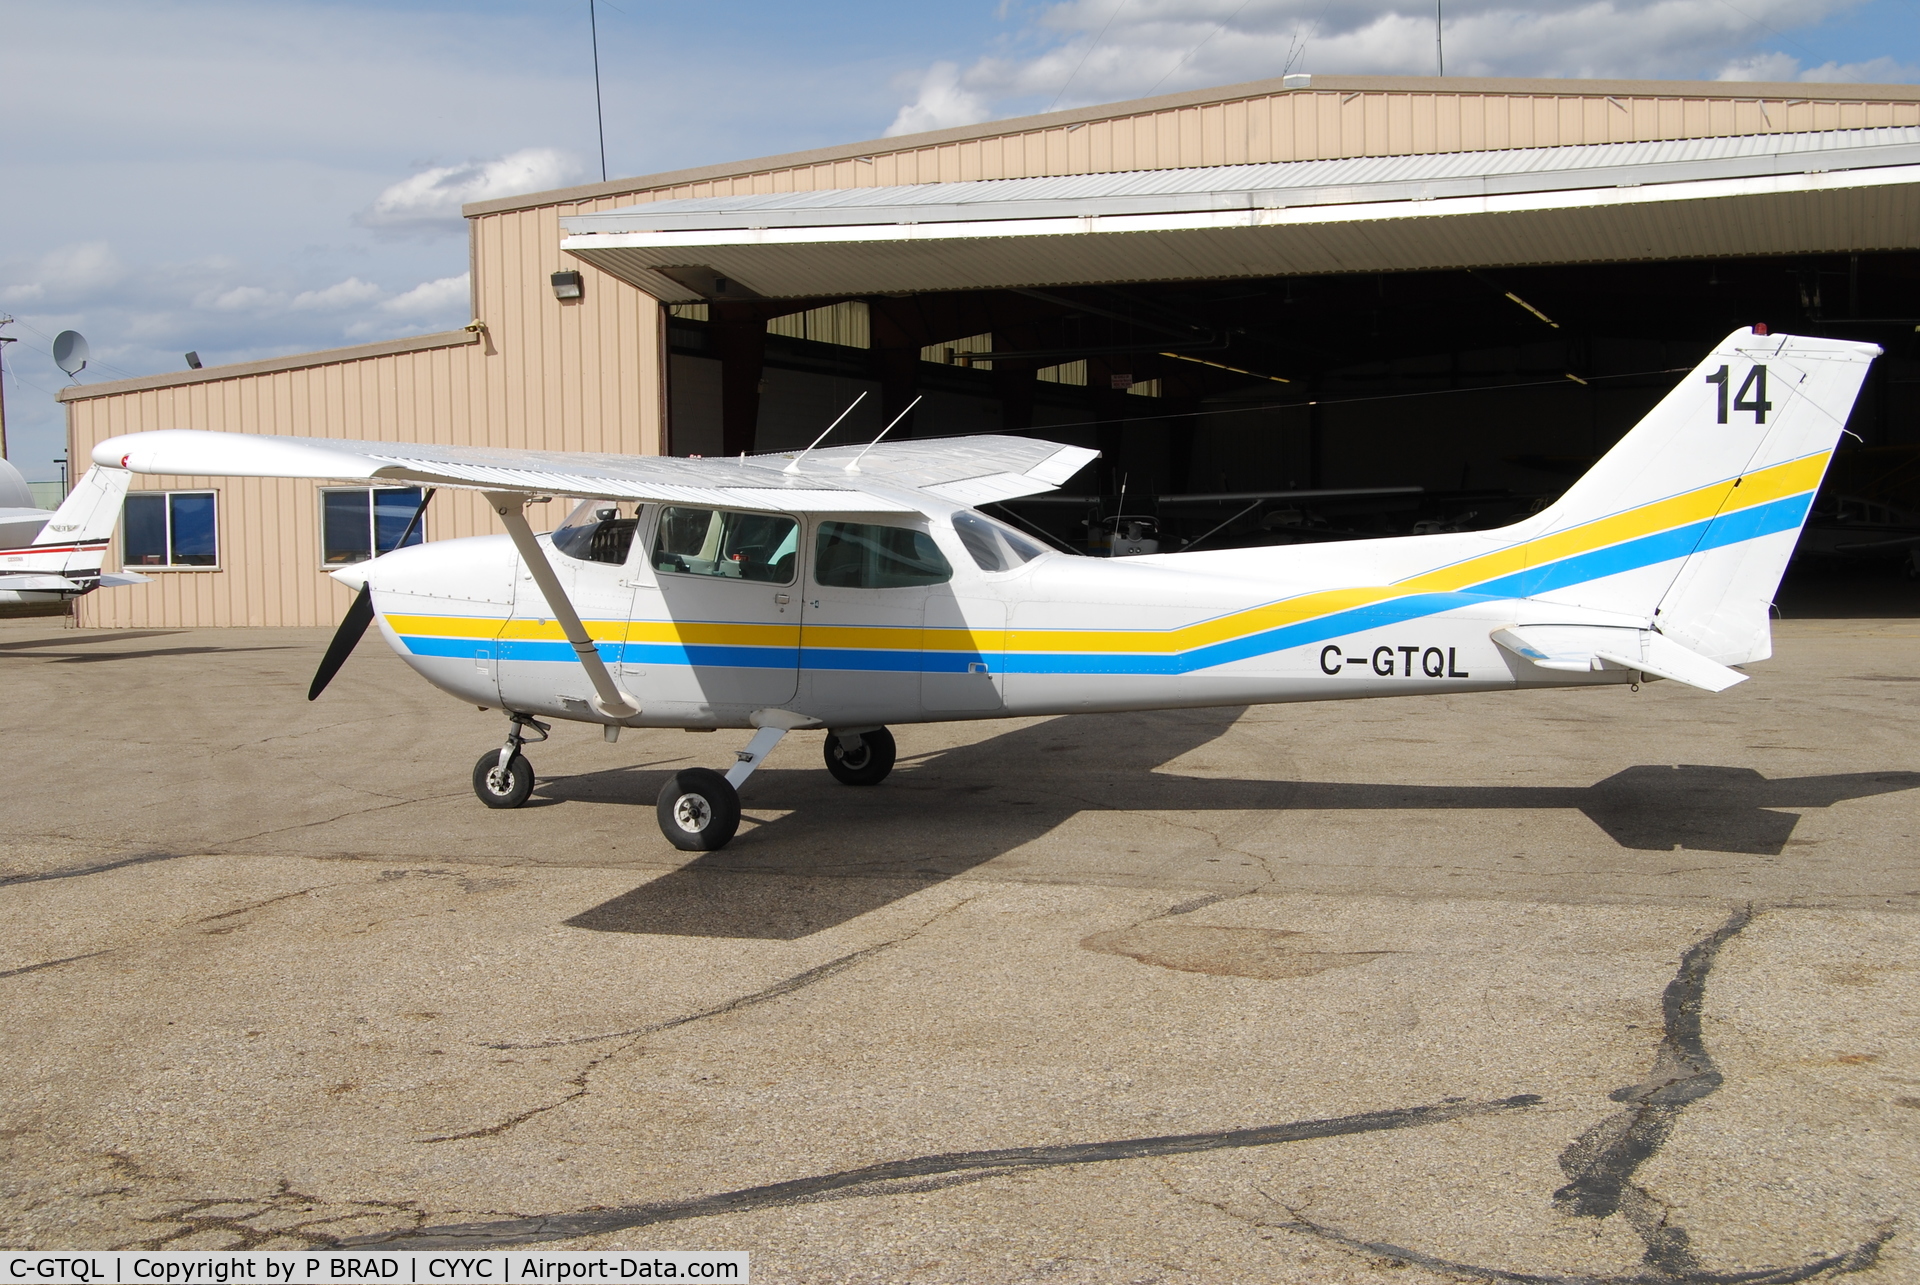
(38, 584)
(114, 579)
(1588, 648)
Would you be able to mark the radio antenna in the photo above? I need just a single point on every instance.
(855, 466)
(795, 466)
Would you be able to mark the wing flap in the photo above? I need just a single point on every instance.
(991, 489)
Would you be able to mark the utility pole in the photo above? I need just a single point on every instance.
(4, 341)
(1439, 50)
(599, 115)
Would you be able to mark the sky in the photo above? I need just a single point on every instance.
(249, 180)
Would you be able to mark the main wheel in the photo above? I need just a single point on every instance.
(698, 810)
(502, 788)
(867, 765)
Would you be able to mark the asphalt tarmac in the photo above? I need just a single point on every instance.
(1554, 986)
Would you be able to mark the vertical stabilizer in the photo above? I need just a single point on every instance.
(1694, 513)
(74, 541)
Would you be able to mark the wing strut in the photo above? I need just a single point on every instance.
(612, 701)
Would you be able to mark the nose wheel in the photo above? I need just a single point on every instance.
(503, 778)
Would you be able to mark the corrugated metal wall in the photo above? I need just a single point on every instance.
(547, 376)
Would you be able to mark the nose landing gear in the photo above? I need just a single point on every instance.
(503, 778)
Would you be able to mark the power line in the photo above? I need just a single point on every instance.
(1090, 48)
(1197, 48)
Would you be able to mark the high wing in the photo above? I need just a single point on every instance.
(968, 470)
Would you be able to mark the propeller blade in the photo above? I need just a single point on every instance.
(354, 624)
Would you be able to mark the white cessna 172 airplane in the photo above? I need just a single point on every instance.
(846, 589)
(50, 557)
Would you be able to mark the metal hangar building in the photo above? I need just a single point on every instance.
(1443, 295)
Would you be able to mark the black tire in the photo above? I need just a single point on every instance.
(698, 810)
(502, 790)
(867, 765)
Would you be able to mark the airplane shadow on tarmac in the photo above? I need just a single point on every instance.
(837, 854)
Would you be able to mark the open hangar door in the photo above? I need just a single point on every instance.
(1300, 350)
(1277, 410)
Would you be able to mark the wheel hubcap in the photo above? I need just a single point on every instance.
(500, 781)
(857, 759)
(692, 813)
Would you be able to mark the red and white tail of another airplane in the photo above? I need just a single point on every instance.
(50, 557)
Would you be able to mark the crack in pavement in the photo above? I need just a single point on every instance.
(786, 987)
(102, 867)
(54, 963)
(1602, 1161)
(799, 981)
(579, 1081)
(231, 1217)
(258, 905)
(1857, 1259)
(888, 1177)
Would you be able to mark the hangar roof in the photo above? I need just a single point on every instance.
(1682, 198)
(1290, 183)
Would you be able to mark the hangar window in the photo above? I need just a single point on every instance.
(598, 531)
(169, 529)
(856, 555)
(732, 546)
(992, 546)
(361, 522)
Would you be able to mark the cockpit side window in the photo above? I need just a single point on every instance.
(598, 531)
(992, 546)
(860, 555)
(726, 545)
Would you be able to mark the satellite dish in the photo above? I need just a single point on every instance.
(70, 351)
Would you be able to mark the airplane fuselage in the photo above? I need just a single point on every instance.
(1055, 634)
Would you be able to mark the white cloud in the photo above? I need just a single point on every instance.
(1779, 66)
(447, 297)
(77, 270)
(1875, 70)
(1092, 51)
(941, 104)
(342, 294)
(239, 299)
(430, 201)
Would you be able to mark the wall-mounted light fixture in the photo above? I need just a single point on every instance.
(566, 285)
(193, 361)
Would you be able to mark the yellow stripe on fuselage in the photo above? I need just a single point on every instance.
(1795, 477)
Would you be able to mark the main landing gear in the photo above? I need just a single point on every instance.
(698, 809)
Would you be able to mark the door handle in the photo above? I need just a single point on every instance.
(783, 598)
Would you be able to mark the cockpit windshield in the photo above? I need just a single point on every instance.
(598, 531)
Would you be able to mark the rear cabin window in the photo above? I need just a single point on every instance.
(726, 545)
(597, 531)
(856, 555)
